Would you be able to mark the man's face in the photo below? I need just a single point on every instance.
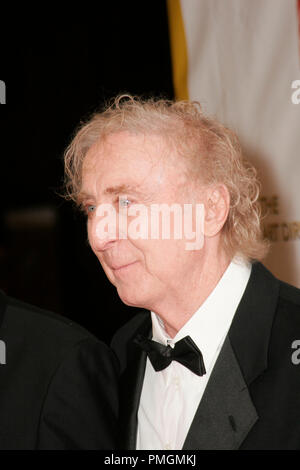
(137, 169)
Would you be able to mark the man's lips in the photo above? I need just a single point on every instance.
(116, 267)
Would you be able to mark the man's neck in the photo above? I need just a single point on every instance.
(180, 308)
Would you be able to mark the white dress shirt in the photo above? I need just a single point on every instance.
(170, 398)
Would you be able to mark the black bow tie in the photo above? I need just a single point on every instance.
(185, 351)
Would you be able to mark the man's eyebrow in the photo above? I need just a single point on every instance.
(123, 188)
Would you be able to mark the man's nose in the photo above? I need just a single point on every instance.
(102, 231)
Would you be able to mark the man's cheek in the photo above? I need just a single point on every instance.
(108, 272)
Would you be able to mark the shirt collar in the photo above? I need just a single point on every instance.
(209, 325)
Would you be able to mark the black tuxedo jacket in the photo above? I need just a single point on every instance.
(252, 399)
(58, 385)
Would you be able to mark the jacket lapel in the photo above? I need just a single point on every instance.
(226, 413)
(131, 389)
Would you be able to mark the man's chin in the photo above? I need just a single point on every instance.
(131, 299)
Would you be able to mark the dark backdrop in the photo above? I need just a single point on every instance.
(57, 71)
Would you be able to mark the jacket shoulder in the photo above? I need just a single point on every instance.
(43, 316)
(290, 294)
(35, 329)
(287, 318)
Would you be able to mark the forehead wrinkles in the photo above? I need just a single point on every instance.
(134, 149)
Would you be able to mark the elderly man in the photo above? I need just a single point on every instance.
(208, 362)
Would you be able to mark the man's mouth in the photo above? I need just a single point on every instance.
(121, 267)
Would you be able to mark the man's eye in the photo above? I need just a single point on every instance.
(124, 202)
(90, 208)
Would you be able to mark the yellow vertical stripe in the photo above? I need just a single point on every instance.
(178, 50)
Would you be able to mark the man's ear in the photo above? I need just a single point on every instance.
(217, 204)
